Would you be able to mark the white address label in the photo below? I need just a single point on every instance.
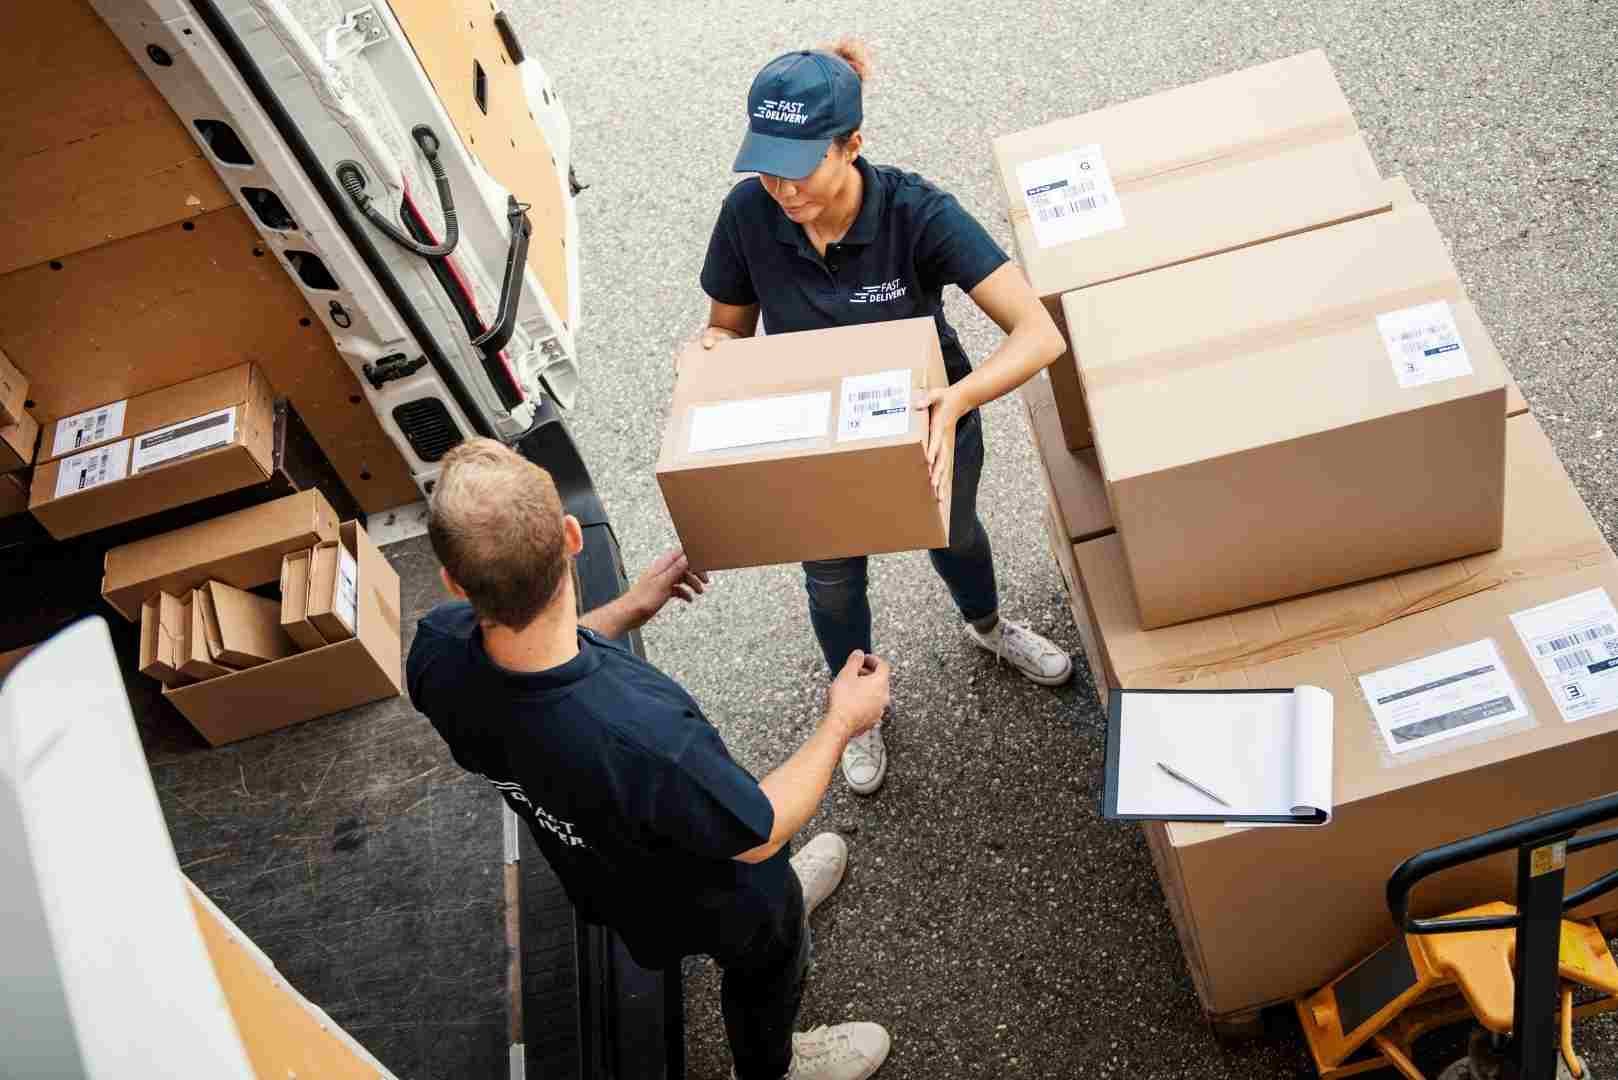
(731, 425)
(1574, 644)
(1423, 344)
(1069, 196)
(346, 603)
(88, 428)
(92, 468)
(1442, 696)
(180, 440)
(875, 406)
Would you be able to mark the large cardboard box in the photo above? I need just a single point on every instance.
(804, 446)
(13, 392)
(17, 443)
(305, 685)
(1205, 168)
(1278, 435)
(1320, 891)
(1072, 477)
(243, 548)
(185, 442)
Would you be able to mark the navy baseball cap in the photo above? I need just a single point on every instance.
(798, 103)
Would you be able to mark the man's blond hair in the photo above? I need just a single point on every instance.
(495, 522)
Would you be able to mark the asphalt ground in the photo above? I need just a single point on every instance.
(990, 919)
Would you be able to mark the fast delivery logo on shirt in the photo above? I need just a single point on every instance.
(879, 294)
(782, 112)
(562, 830)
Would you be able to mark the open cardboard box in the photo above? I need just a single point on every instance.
(305, 685)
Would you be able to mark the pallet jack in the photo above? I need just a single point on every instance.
(1514, 969)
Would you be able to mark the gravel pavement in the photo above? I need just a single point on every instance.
(990, 919)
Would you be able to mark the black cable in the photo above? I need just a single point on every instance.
(353, 181)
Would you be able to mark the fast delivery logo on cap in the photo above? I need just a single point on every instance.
(782, 112)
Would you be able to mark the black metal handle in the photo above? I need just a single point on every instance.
(505, 321)
(1535, 831)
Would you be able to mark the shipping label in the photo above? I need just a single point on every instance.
(1423, 344)
(1070, 196)
(184, 439)
(1448, 694)
(1574, 645)
(345, 605)
(88, 428)
(730, 425)
(875, 406)
(92, 468)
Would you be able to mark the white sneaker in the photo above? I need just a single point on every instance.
(865, 762)
(844, 1052)
(1034, 656)
(819, 865)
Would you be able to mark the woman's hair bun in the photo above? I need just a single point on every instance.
(853, 52)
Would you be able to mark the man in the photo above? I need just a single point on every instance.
(629, 791)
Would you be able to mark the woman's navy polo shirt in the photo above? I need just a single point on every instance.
(908, 242)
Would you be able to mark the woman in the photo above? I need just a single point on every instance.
(822, 238)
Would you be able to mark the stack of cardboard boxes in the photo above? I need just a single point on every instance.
(237, 662)
(1283, 450)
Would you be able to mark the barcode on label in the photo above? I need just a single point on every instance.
(1558, 644)
(1072, 206)
(868, 395)
(1576, 660)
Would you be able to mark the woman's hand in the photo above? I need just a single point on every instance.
(946, 408)
(713, 335)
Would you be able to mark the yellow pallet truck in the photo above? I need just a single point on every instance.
(1513, 969)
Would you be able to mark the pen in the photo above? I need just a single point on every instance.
(1184, 779)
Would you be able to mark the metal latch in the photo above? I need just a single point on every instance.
(359, 30)
(392, 366)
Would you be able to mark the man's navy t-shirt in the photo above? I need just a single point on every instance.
(909, 240)
(625, 785)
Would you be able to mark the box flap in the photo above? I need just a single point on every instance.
(249, 626)
(378, 605)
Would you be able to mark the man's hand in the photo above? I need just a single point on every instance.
(670, 577)
(860, 693)
(945, 409)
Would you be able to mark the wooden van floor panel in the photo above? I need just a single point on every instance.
(173, 303)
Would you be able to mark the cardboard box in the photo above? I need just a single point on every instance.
(17, 443)
(243, 549)
(295, 601)
(305, 685)
(1274, 437)
(770, 455)
(248, 627)
(199, 659)
(13, 494)
(180, 444)
(1321, 890)
(13, 392)
(1180, 175)
(333, 591)
(1072, 477)
(164, 629)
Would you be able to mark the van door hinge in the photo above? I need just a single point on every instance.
(359, 30)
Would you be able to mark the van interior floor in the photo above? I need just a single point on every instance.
(352, 850)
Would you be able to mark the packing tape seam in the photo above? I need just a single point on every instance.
(1220, 661)
(1144, 367)
(1237, 154)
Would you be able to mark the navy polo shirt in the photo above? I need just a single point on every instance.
(624, 784)
(908, 242)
